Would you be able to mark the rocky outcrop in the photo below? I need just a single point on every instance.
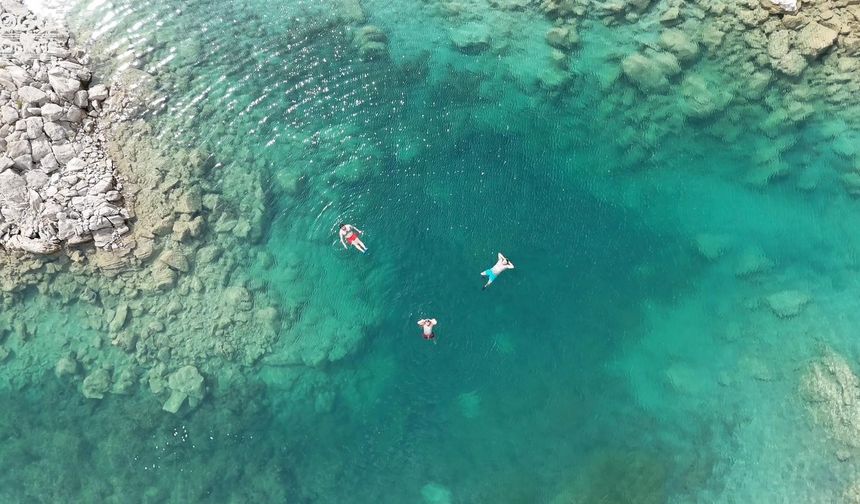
(57, 185)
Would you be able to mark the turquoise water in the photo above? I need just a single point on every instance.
(614, 364)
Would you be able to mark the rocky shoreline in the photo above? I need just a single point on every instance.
(123, 230)
(58, 186)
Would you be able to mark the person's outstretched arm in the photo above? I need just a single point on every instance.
(342, 242)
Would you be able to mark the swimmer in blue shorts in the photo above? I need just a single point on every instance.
(501, 265)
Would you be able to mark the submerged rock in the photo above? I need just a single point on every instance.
(96, 384)
(644, 72)
(788, 303)
(184, 384)
(66, 366)
(815, 38)
(434, 493)
(679, 43)
(471, 38)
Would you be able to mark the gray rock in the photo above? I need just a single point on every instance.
(82, 99)
(75, 114)
(18, 75)
(103, 237)
(52, 112)
(13, 189)
(36, 179)
(64, 152)
(24, 162)
(34, 127)
(41, 148)
(18, 148)
(98, 92)
(55, 132)
(6, 162)
(29, 94)
(64, 86)
(185, 384)
(75, 164)
(49, 163)
(8, 114)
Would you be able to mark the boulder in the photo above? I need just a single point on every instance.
(644, 72)
(815, 38)
(40, 148)
(779, 43)
(434, 493)
(562, 37)
(679, 43)
(175, 260)
(119, 318)
(34, 127)
(64, 85)
(66, 366)
(792, 64)
(184, 384)
(52, 112)
(471, 38)
(9, 115)
(98, 92)
(96, 384)
(18, 148)
(29, 94)
(788, 303)
(781, 5)
(671, 16)
(703, 98)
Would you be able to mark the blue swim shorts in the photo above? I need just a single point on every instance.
(490, 275)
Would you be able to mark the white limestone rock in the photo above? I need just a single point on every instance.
(29, 94)
(782, 5)
(52, 112)
(98, 92)
(64, 85)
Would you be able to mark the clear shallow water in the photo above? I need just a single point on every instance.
(613, 365)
